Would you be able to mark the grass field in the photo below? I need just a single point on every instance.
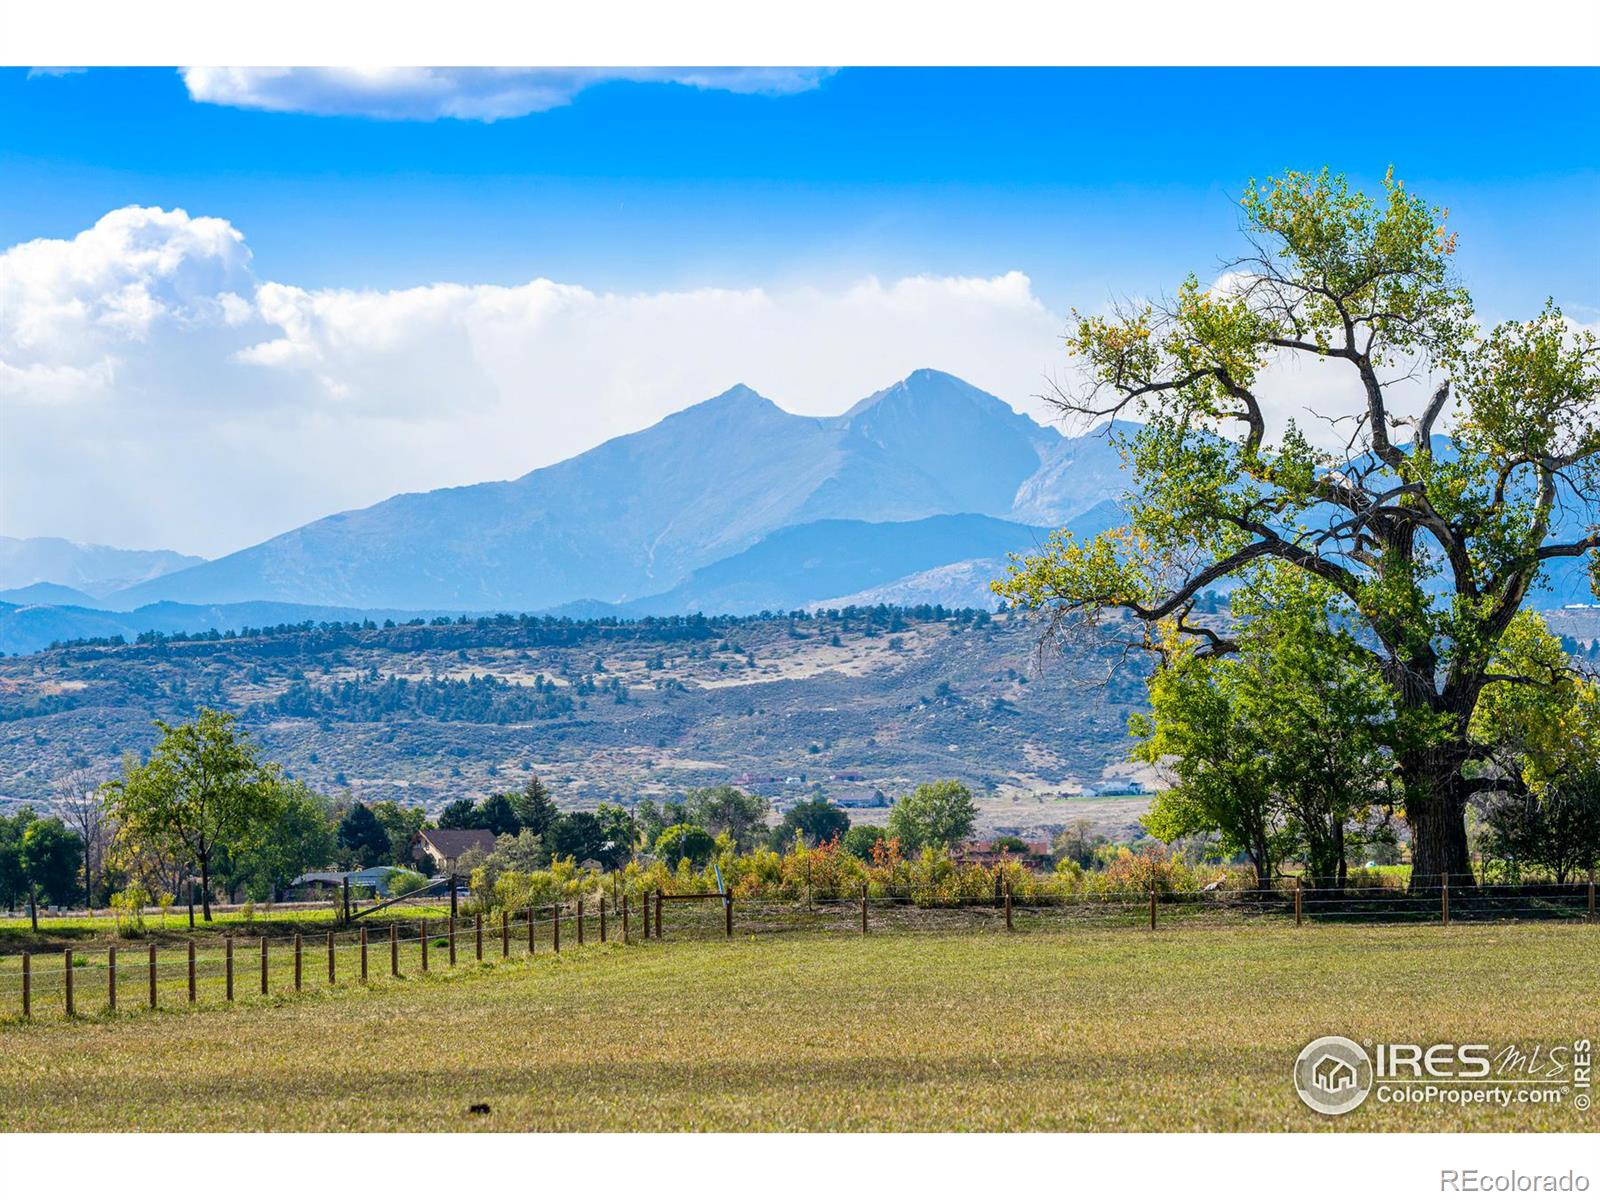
(1089, 1028)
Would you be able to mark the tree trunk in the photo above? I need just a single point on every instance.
(1436, 811)
(205, 888)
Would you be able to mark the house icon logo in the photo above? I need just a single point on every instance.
(1333, 1075)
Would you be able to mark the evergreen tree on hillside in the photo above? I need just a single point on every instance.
(534, 808)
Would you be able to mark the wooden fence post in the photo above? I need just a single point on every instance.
(191, 971)
(363, 954)
(394, 950)
(580, 920)
(27, 985)
(646, 899)
(452, 934)
(1152, 908)
(70, 1007)
(863, 910)
(1299, 890)
(602, 919)
(477, 927)
(555, 929)
(453, 912)
(424, 943)
(624, 918)
(347, 899)
(727, 900)
(111, 978)
(1444, 901)
(297, 962)
(152, 975)
(1009, 926)
(331, 971)
(1591, 901)
(227, 952)
(533, 924)
(505, 933)
(264, 987)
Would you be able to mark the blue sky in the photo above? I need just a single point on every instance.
(1089, 180)
(230, 316)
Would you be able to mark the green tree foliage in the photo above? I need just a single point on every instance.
(860, 839)
(301, 837)
(678, 842)
(459, 814)
(51, 855)
(725, 809)
(1434, 553)
(619, 830)
(498, 816)
(1278, 747)
(202, 789)
(815, 820)
(939, 814)
(577, 836)
(1555, 829)
(402, 824)
(534, 806)
(363, 841)
(13, 879)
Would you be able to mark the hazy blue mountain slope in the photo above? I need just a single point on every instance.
(94, 570)
(27, 628)
(635, 516)
(800, 565)
(47, 593)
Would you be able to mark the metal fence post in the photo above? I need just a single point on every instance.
(452, 937)
(1009, 926)
(111, 978)
(477, 930)
(659, 895)
(863, 909)
(297, 962)
(505, 933)
(1152, 908)
(27, 985)
(191, 971)
(71, 1009)
(555, 929)
(331, 972)
(1444, 901)
(363, 954)
(152, 975)
(227, 952)
(727, 900)
(602, 919)
(1299, 890)
(624, 918)
(264, 987)
(580, 920)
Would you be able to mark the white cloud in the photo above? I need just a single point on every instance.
(154, 391)
(463, 93)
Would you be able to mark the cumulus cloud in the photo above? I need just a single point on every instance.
(154, 390)
(463, 93)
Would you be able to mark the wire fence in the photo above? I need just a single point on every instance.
(91, 981)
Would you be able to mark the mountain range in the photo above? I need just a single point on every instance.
(915, 494)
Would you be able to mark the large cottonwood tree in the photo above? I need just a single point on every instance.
(1434, 515)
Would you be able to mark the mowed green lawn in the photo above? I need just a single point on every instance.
(1078, 1029)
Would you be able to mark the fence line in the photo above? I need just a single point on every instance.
(80, 979)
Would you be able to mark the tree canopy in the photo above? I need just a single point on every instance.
(202, 790)
(1464, 466)
(935, 814)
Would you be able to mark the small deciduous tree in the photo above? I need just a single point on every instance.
(934, 815)
(817, 821)
(678, 842)
(203, 788)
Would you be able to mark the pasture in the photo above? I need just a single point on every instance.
(1085, 1028)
